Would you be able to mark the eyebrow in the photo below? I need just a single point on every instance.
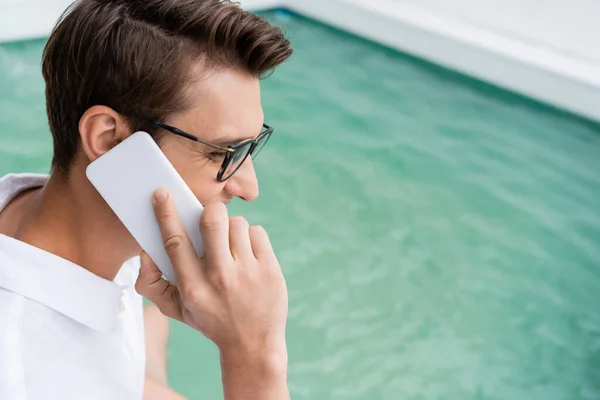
(229, 141)
(225, 142)
(222, 142)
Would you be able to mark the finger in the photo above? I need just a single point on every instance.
(152, 286)
(214, 227)
(261, 244)
(239, 238)
(177, 244)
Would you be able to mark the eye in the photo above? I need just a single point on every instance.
(216, 155)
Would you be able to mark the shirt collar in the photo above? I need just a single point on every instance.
(62, 285)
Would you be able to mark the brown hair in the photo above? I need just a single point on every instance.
(136, 57)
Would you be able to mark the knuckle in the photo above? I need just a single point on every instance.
(213, 216)
(140, 288)
(220, 282)
(173, 244)
(260, 235)
(238, 222)
(164, 217)
(192, 296)
(258, 230)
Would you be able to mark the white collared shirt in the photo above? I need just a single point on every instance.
(65, 333)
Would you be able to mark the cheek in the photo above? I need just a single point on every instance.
(200, 176)
(205, 186)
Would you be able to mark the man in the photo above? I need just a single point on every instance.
(70, 320)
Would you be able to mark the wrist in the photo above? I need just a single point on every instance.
(252, 373)
(268, 361)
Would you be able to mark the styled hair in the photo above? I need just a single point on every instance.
(138, 56)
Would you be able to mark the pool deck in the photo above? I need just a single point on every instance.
(543, 49)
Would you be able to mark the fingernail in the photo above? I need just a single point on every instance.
(144, 269)
(160, 196)
(143, 257)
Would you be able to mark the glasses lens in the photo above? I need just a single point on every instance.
(261, 143)
(236, 160)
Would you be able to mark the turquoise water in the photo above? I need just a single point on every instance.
(440, 238)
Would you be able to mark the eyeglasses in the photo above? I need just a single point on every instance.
(235, 154)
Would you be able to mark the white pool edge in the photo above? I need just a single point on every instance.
(541, 73)
(525, 68)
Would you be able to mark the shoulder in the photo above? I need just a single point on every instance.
(43, 346)
(24, 319)
(23, 179)
(12, 307)
(13, 184)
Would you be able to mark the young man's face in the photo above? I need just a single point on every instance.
(226, 108)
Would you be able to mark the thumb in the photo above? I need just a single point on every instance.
(152, 286)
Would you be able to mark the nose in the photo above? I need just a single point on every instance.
(244, 183)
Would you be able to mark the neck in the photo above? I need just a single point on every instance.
(68, 218)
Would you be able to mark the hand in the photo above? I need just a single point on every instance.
(235, 294)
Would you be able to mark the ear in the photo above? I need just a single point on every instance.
(101, 128)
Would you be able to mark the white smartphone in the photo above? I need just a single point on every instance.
(127, 176)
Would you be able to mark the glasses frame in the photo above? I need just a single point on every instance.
(230, 150)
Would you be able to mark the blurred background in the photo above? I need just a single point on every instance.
(432, 192)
